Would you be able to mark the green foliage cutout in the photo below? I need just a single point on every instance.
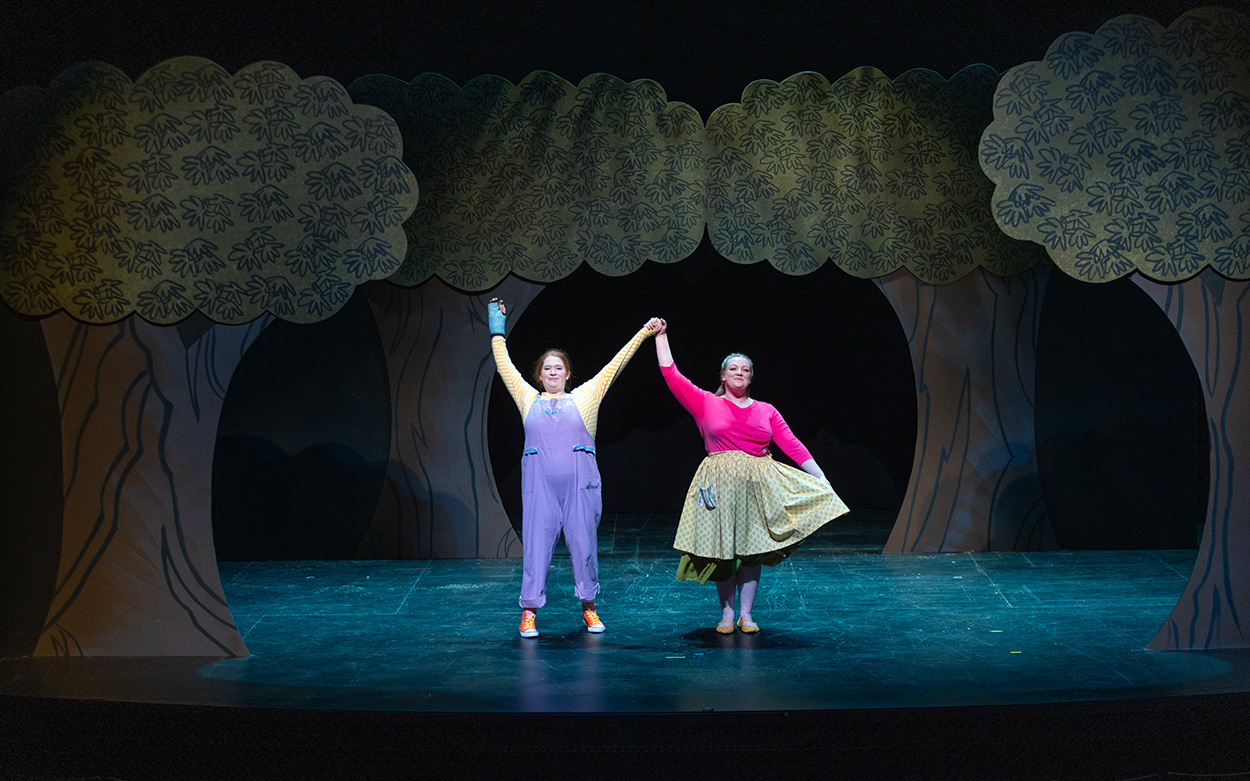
(874, 174)
(195, 190)
(1129, 149)
(533, 178)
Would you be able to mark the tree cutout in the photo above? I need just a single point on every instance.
(1128, 152)
(876, 175)
(194, 197)
(533, 179)
(974, 482)
(1129, 149)
(439, 498)
(139, 412)
(1208, 313)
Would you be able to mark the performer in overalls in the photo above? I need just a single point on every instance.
(560, 486)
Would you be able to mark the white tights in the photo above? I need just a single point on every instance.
(745, 582)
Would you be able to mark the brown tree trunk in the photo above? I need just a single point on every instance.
(974, 484)
(439, 499)
(139, 412)
(1210, 313)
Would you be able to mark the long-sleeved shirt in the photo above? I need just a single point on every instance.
(726, 426)
(586, 397)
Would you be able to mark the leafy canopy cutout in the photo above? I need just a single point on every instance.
(195, 190)
(532, 179)
(1129, 149)
(874, 174)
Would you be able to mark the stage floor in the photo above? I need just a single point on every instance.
(875, 661)
(844, 626)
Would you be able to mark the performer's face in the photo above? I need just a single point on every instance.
(553, 373)
(737, 376)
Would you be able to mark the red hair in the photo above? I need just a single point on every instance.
(564, 358)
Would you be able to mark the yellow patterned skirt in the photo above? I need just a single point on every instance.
(746, 510)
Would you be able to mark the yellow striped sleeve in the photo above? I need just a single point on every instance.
(589, 394)
(521, 391)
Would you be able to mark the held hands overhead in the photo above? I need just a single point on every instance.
(497, 318)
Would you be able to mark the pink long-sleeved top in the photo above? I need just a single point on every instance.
(726, 426)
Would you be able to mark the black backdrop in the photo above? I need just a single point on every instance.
(701, 53)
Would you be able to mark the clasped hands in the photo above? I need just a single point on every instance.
(497, 313)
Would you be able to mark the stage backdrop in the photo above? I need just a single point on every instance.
(157, 228)
(878, 176)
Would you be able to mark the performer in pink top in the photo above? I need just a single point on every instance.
(743, 509)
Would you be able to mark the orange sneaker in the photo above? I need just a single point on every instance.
(593, 624)
(528, 619)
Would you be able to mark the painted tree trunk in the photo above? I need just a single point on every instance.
(974, 483)
(1210, 313)
(139, 412)
(439, 498)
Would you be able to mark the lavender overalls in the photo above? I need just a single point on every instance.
(560, 492)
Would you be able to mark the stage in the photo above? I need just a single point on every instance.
(1008, 665)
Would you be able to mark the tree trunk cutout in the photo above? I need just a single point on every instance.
(139, 412)
(1209, 313)
(974, 484)
(439, 498)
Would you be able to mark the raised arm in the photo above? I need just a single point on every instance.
(523, 394)
(589, 394)
(686, 393)
(663, 353)
(600, 382)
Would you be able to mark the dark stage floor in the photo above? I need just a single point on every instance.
(868, 655)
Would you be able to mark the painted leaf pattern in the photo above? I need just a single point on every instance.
(873, 174)
(192, 189)
(1126, 150)
(534, 178)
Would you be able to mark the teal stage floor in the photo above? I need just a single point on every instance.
(863, 643)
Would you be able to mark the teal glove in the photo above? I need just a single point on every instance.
(496, 318)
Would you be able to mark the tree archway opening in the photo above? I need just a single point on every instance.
(1121, 426)
(829, 354)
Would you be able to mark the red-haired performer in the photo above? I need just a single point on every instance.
(560, 486)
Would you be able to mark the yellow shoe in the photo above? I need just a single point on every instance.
(725, 627)
(748, 626)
